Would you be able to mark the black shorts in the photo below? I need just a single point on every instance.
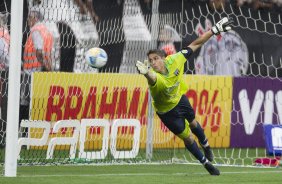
(174, 119)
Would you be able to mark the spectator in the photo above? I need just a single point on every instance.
(73, 26)
(39, 44)
(4, 42)
(37, 57)
(217, 4)
(167, 37)
(256, 4)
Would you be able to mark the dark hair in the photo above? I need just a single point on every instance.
(36, 14)
(157, 51)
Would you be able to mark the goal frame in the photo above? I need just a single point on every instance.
(14, 89)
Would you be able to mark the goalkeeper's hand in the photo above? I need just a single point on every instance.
(222, 26)
(143, 68)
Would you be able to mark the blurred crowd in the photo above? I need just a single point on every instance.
(255, 4)
(260, 3)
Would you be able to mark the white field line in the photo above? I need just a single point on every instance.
(136, 164)
(146, 174)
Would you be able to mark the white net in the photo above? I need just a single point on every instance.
(4, 58)
(234, 82)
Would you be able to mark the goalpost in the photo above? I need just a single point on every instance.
(80, 115)
(14, 89)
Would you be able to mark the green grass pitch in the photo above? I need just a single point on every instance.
(141, 174)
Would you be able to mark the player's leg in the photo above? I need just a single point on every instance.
(199, 132)
(180, 127)
(187, 111)
(192, 146)
(189, 141)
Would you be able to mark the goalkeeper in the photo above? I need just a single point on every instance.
(167, 88)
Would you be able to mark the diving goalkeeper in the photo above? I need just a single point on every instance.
(167, 88)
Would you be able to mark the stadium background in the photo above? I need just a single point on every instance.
(260, 36)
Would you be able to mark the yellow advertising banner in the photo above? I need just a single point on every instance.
(63, 96)
(211, 98)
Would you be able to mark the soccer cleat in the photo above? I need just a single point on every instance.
(208, 153)
(211, 169)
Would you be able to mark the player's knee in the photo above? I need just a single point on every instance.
(188, 140)
(193, 124)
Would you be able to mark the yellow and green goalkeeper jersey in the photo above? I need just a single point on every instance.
(169, 88)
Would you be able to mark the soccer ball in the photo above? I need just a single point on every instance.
(96, 57)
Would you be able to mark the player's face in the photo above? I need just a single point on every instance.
(156, 62)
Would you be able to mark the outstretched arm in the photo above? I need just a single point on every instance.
(200, 40)
(143, 69)
(222, 26)
(151, 78)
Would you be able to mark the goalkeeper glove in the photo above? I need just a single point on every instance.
(143, 68)
(222, 26)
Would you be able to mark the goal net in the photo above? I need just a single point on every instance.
(78, 114)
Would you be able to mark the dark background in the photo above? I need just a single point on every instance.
(263, 37)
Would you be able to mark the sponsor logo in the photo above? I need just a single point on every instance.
(176, 72)
(252, 111)
(184, 51)
(79, 134)
(276, 136)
